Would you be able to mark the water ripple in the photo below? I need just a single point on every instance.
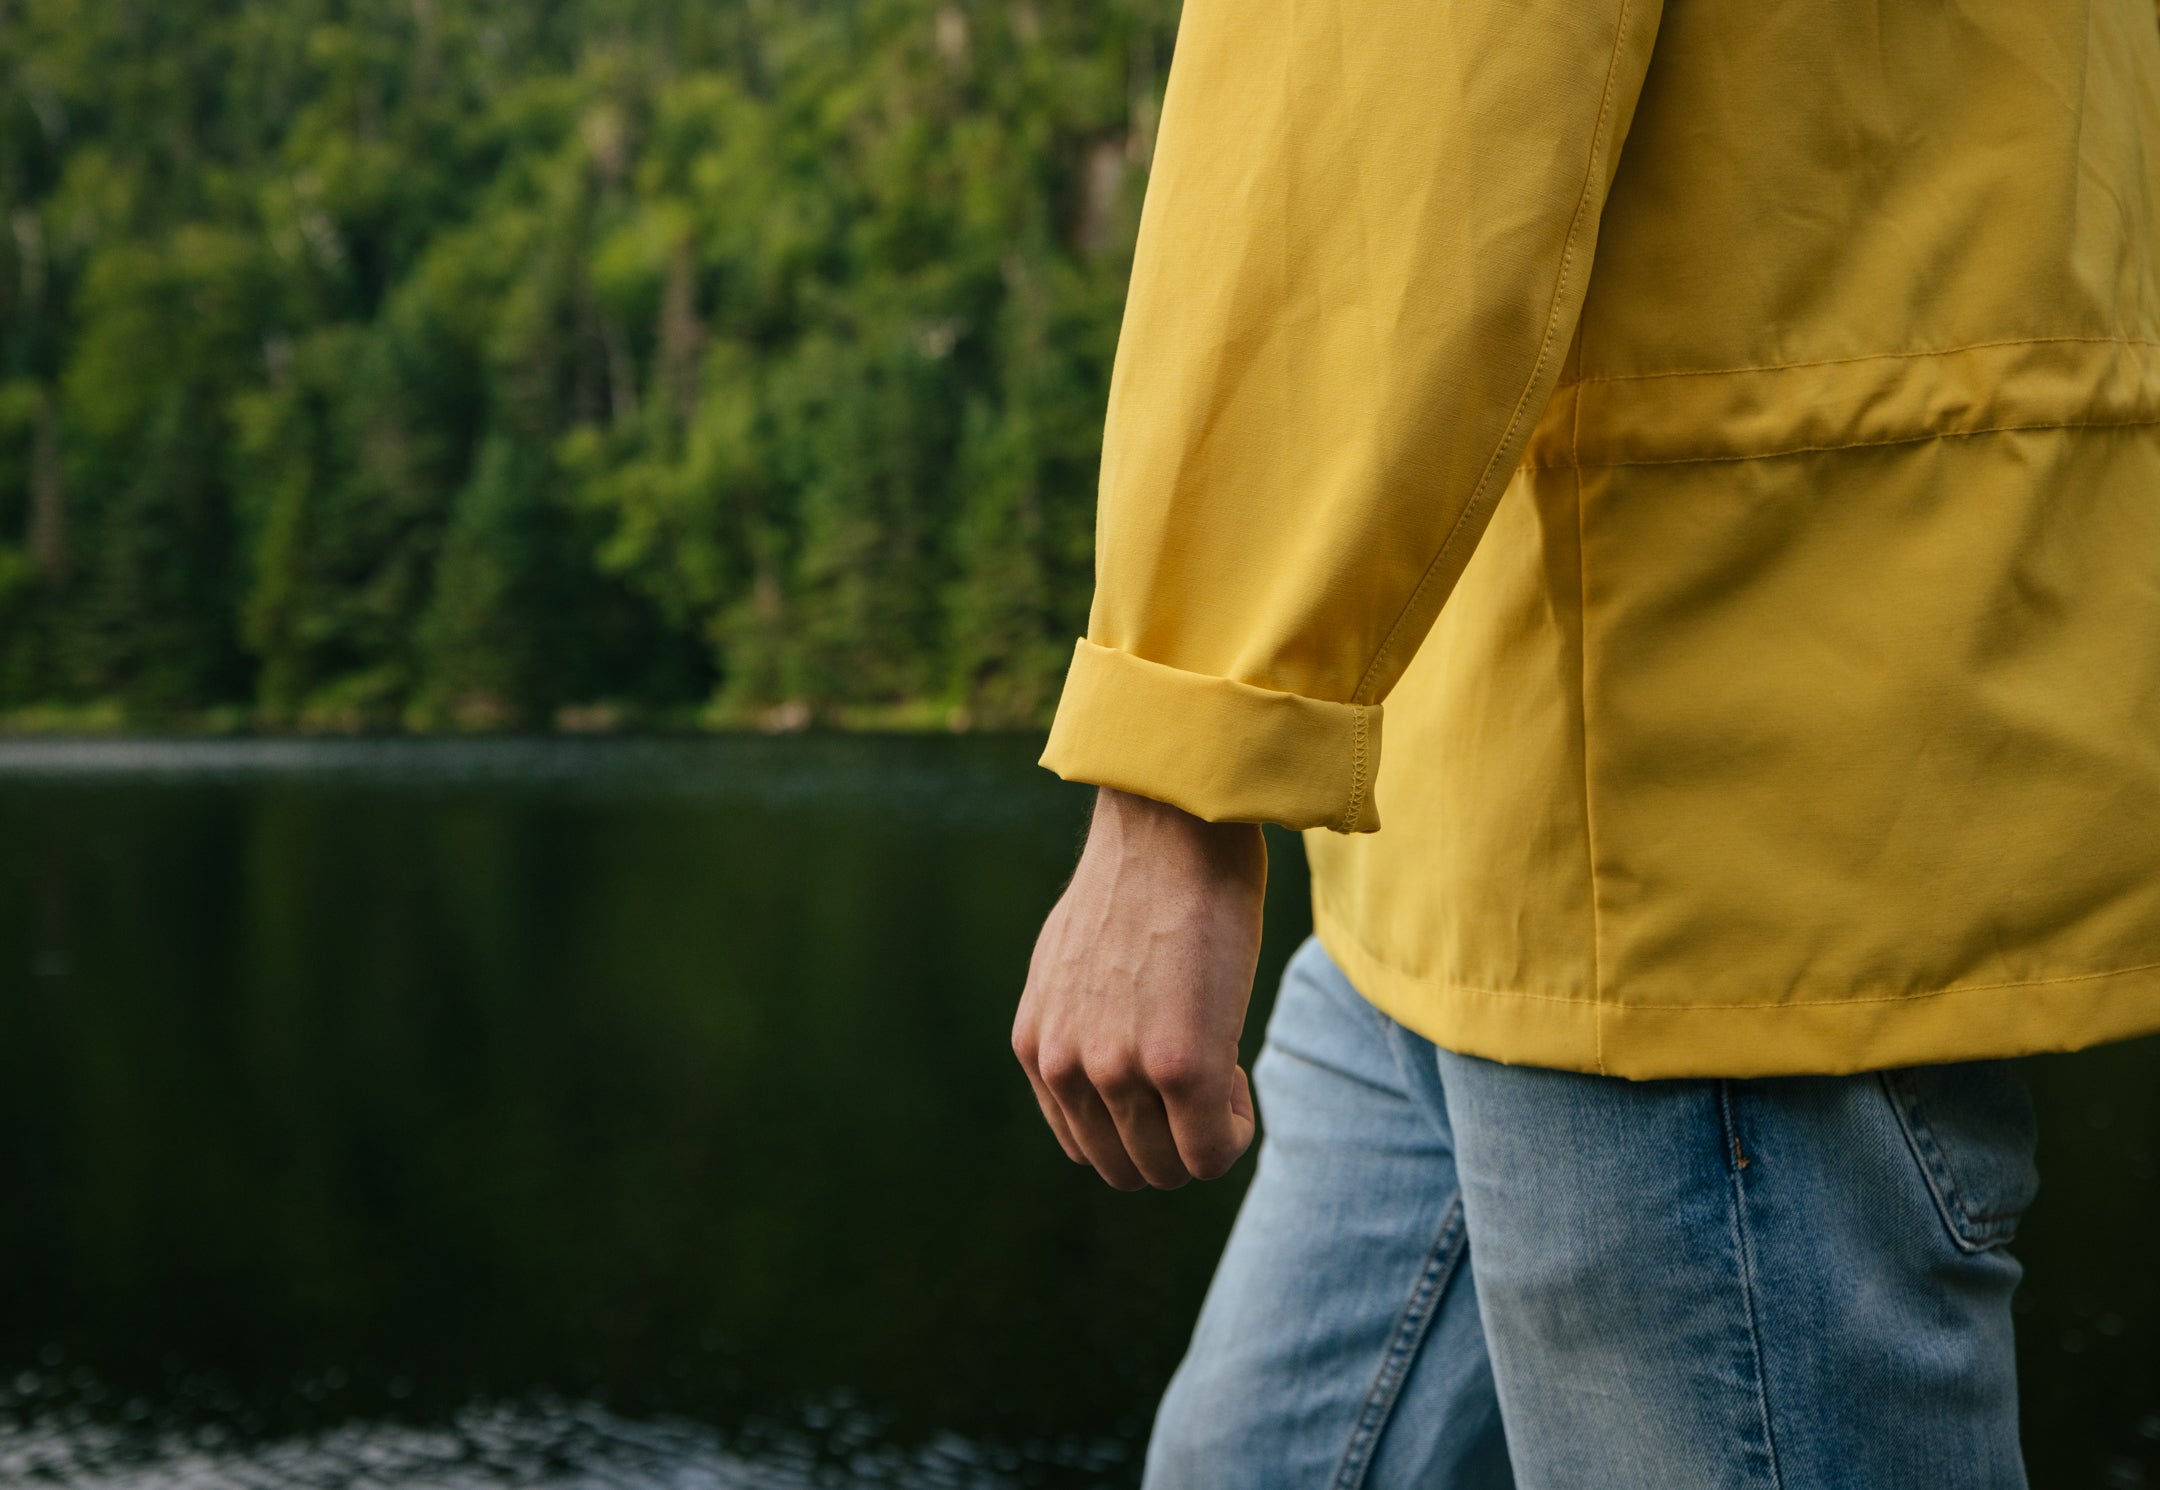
(545, 1446)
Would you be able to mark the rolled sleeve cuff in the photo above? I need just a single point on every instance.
(1222, 750)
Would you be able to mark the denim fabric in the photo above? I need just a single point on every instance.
(1454, 1274)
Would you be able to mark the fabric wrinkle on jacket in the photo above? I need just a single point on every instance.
(1668, 498)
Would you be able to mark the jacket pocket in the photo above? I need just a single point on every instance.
(1972, 1131)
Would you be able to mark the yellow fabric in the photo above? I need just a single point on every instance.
(1302, 762)
(1728, 439)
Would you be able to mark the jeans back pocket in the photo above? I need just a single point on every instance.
(1973, 1133)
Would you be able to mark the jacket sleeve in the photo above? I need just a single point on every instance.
(1360, 260)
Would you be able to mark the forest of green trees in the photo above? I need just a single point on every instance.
(475, 364)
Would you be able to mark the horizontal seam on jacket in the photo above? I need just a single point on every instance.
(1921, 438)
(1449, 985)
(1902, 998)
(1764, 367)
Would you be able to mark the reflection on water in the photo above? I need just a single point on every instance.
(361, 1083)
(639, 1113)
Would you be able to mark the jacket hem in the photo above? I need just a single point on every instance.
(1815, 1037)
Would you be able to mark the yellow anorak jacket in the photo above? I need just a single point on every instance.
(1724, 442)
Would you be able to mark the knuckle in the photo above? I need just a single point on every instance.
(1211, 1166)
(1061, 1069)
(1112, 1069)
(1213, 1157)
(1175, 1069)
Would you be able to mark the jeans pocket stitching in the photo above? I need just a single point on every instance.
(1970, 1230)
(1403, 1342)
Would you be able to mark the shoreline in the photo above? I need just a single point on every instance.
(598, 719)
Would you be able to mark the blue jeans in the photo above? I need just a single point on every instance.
(1455, 1274)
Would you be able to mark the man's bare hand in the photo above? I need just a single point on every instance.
(1136, 995)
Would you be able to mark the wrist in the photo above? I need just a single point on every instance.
(1145, 824)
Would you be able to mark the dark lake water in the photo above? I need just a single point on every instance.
(639, 1114)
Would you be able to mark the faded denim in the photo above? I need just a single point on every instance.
(1459, 1275)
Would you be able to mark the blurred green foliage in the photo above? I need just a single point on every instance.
(484, 363)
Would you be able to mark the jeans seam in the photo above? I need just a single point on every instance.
(1743, 1243)
(1968, 1232)
(1403, 1342)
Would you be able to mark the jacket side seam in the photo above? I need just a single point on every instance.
(1493, 470)
(2077, 145)
(1582, 696)
(2142, 421)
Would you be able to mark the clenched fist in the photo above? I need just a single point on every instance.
(1128, 1028)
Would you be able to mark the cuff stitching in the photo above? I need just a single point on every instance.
(1357, 769)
